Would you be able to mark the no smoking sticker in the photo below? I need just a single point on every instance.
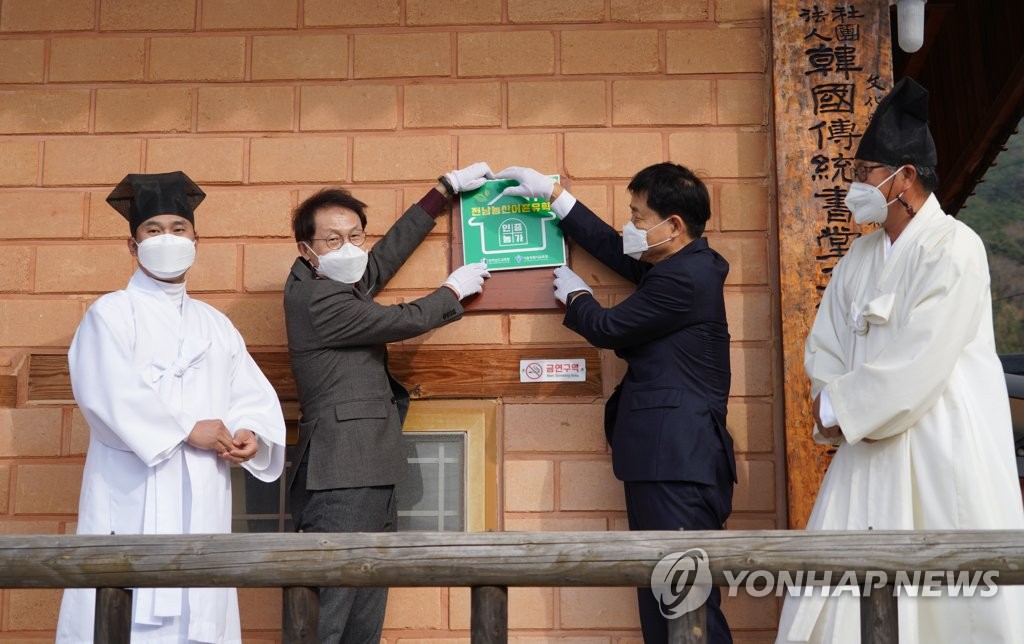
(559, 370)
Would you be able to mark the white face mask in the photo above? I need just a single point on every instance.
(166, 256)
(867, 203)
(345, 265)
(634, 240)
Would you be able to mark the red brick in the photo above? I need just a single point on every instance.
(47, 15)
(61, 111)
(33, 609)
(591, 608)
(27, 527)
(471, 329)
(539, 151)
(250, 14)
(21, 61)
(741, 10)
(534, 522)
(83, 268)
(589, 485)
(47, 489)
(661, 102)
(144, 109)
(388, 55)
(19, 162)
(79, 433)
(618, 154)
(304, 159)
(529, 486)
(351, 13)
(260, 608)
(506, 53)
(96, 59)
(755, 490)
(418, 608)
(743, 206)
(747, 613)
(610, 52)
(255, 109)
(89, 161)
(197, 58)
(751, 371)
(525, 11)
(41, 215)
(348, 107)
(245, 213)
(528, 608)
(721, 153)
(747, 255)
(143, 15)
(405, 158)
(452, 12)
(30, 432)
(15, 269)
(203, 159)
(749, 314)
(541, 328)
(382, 209)
(554, 428)
(5, 486)
(215, 268)
(594, 272)
(658, 10)
(453, 105)
(750, 424)
(742, 101)
(556, 103)
(260, 319)
(104, 221)
(266, 266)
(716, 51)
(426, 269)
(276, 57)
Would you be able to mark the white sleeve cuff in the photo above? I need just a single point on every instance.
(825, 410)
(563, 204)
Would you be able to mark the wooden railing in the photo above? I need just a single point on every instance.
(488, 563)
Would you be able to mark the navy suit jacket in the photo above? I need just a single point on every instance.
(666, 419)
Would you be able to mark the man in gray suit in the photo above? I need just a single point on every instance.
(351, 452)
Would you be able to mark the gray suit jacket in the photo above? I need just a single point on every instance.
(352, 409)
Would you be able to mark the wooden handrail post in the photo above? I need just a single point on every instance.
(689, 628)
(879, 616)
(489, 615)
(113, 619)
(300, 616)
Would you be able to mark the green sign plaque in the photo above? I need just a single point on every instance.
(509, 232)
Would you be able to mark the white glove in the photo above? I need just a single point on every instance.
(470, 177)
(467, 280)
(567, 282)
(532, 184)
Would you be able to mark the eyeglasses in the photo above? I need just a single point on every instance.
(862, 171)
(334, 242)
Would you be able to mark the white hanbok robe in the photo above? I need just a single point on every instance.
(905, 347)
(143, 373)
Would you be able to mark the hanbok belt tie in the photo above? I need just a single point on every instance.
(875, 312)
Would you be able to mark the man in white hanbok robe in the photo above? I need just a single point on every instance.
(153, 372)
(907, 383)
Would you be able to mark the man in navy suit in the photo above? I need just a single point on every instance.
(665, 421)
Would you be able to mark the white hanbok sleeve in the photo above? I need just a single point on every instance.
(826, 351)
(122, 409)
(256, 407)
(890, 393)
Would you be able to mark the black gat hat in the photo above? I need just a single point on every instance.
(141, 196)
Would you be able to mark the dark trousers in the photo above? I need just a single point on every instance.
(674, 505)
(347, 615)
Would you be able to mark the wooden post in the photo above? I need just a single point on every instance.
(879, 617)
(113, 624)
(489, 615)
(690, 628)
(832, 63)
(300, 616)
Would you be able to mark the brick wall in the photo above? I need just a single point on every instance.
(264, 101)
